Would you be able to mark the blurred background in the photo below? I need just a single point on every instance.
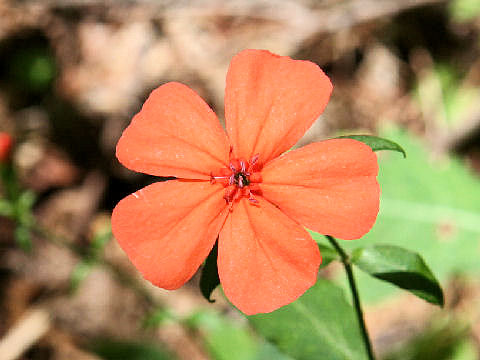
(73, 73)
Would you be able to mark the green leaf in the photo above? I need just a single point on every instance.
(100, 239)
(125, 350)
(157, 318)
(9, 181)
(268, 351)
(321, 324)
(80, 273)
(26, 200)
(328, 255)
(376, 143)
(430, 205)
(401, 267)
(23, 238)
(224, 339)
(6, 208)
(209, 279)
(227, 339)
(23, 208)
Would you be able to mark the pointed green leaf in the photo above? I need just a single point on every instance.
(328, 255)
(321, 324)
(403, 268)
(376, 143)
(209, 279)
(23, 238)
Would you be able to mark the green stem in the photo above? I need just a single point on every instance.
(356, 299)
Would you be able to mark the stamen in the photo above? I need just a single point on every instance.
(254, 159)
(237, 179)
(242, 165)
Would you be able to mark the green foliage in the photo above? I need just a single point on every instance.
(445, 339)
(319, 325)
(157, 317)
(376, 143)
(429, 206)
(125, 350)
(80, 273)
(23, 216)
(400, 267)
(18, 206)
(229, 340)
(457, 100)
(91, 257)
(443, 96)
(33, 68)
(99, 241)
(464, 10)
(6, 208)
(328, 255)
(23, 238)
(209, 279)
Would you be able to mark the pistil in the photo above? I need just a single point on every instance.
(240, 179)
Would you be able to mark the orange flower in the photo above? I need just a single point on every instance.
(239, 187)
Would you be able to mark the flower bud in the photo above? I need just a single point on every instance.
(6, 143)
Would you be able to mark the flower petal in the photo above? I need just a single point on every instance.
(329, 187)
(265, 259)
(175, 134)
(270, 101)
(167, 229)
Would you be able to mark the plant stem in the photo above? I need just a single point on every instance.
(356, 299)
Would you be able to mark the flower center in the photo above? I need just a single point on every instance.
(240, 179)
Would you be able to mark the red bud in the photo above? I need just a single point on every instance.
(6, 143)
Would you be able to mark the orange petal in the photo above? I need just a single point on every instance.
(265, 260)
(270, 101)
(329, 187)
(167, 229)
(175, 134)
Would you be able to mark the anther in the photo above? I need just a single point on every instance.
(254, 159)
(253, 200)
(242, 165)
(237, 180)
